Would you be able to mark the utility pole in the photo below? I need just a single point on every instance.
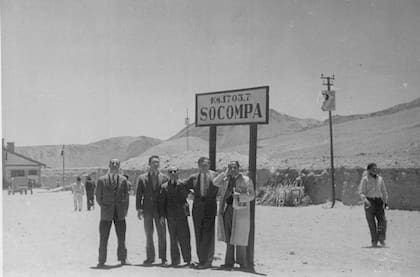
(187, 123)
(327, 81)
(62, 155)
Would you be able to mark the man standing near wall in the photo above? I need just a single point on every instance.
(204, 211)
(174, 206)
(233, 219)
(373, 192)
(113, 198)
(149, 186)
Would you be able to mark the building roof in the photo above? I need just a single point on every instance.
(24, 157)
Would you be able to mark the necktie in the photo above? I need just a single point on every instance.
(154, 181)
(114, 181)
(203, 184)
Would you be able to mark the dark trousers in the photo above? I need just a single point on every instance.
(104, 229)
(230, 248)
(204, 237)
(376, 213)
(90, 202)
(179, 233)
(161, 232)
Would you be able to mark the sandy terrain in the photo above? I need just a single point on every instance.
(42, 236)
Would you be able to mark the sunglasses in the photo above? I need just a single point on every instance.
(172, 171)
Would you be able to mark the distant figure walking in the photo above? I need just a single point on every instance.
(113, 198)
(31, 185)
(78, 191)
(373, 192)
(90, 193)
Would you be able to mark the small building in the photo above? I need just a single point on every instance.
(16, 165)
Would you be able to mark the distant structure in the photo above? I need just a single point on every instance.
(19, 166)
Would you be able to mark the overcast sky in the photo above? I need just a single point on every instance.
(83, 70)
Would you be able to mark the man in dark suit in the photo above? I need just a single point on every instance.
(174, 206)
(204, 211)
(113, 198)
(147, 198)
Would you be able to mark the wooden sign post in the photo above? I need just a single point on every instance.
(248, 106)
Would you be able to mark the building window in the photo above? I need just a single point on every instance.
(33, 172)
(17, 173)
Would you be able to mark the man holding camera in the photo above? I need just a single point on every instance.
(233, 218)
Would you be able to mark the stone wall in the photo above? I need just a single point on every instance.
(403, 185)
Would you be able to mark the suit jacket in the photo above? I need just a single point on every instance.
(241, 223)
(112, 196)
(203, 206)
(173, 200)
(147, 197)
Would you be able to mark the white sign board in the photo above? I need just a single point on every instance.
(242, 106)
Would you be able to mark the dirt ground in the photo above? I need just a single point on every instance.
(42, 236)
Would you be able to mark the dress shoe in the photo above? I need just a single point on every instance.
(226, 266)
(124, 262)
(382, 242)
(100, 265)
(148, 262)
(188, 264)
(204, 266)
(164, 263)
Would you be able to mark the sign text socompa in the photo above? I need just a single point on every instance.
(243, 106)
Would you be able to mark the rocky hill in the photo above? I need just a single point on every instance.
(390, 137)
(238, 134)
(92, 154)
(337, 119)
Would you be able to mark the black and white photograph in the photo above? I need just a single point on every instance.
(210, 138)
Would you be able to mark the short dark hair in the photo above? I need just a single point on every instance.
(235, 162)
(202, 159)
(78, 178)
(126, 176)
(371, 165)
(153, 157)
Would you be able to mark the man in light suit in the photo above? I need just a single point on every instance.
(149, 187)
(203, 211)
(113, 198)
(234, 216)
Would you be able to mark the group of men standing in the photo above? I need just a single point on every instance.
(162, 199)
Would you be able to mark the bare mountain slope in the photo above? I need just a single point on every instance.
(391, 140)
(238, 134)
(174, 153)
(89, 155)
(337, 119)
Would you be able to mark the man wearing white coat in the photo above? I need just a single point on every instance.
(233, 218)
